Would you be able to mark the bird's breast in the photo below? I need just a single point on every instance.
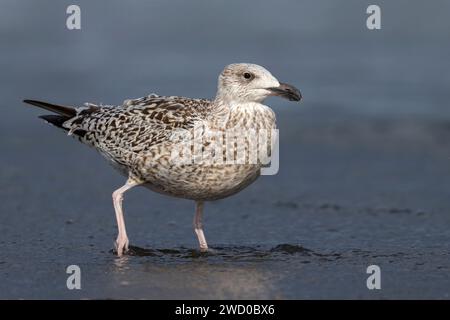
(210, 161)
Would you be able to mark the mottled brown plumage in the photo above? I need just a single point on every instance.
(139, 138)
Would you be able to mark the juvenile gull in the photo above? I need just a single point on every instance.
(137, 138)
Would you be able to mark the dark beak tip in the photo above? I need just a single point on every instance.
(287, 91)
(296, 97)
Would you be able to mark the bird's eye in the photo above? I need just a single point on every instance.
(248, 75)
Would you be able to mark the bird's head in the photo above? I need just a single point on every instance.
(245, 82)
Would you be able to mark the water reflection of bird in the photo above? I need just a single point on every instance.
(137, 138)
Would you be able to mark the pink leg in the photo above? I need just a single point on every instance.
(198, 225)
(121, 243)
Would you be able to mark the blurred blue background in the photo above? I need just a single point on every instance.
(129, 49)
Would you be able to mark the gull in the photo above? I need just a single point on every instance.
(137, 138)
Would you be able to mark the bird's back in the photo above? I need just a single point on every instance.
(123, 134)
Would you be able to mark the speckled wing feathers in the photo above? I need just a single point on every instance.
(122, 133)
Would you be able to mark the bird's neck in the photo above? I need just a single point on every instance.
(228, 114)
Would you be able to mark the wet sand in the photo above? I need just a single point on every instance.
(343, 200)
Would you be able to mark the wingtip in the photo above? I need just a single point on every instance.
(29, 101)
(59, 109)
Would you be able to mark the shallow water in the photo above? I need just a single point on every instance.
(364, 160)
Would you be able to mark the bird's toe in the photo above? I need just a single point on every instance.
(121, 246)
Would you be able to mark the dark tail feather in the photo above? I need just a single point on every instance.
(61, 110)
(57, 121)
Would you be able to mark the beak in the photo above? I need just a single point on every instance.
(286, 91)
